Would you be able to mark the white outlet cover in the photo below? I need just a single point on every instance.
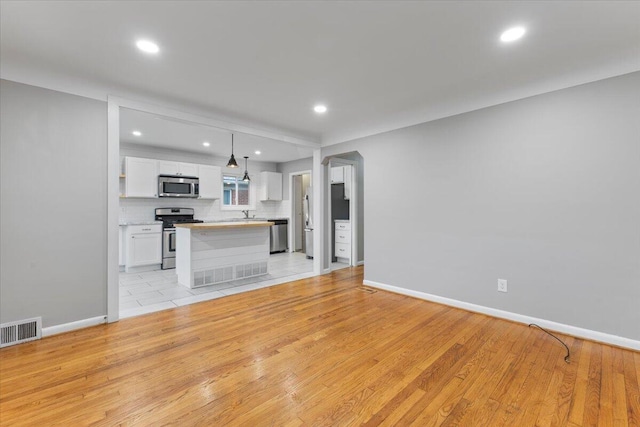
(502, 285)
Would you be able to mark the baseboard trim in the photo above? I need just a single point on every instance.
(72, 326)
(515, 317)
(142, 268)
(359, 263)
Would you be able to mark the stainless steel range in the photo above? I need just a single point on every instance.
(170, 217)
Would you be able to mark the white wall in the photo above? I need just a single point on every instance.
(209, 210)
(53, 213)
(543, 192)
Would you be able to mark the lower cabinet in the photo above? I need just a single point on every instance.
(342, 241)
(121, 252)
(143, 245)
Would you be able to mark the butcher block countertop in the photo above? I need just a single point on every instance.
(220, 225)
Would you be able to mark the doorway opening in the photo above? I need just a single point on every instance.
(301, 228)
(344, 211)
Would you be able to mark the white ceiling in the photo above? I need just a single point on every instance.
(165, 132)
(377, 65)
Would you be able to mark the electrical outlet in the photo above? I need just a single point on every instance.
(123, 209)
(502, 285)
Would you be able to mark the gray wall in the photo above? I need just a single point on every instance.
(543, 192)
(53, 223)
(289, 167)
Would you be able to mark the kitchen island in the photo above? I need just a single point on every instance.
(212, 253)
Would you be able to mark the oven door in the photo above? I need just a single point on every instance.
(169, 248)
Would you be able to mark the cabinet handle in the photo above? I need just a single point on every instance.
(146, 229)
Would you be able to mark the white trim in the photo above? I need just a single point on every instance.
(360, 263)
(72, 326)
(334, 161)
(113, 210)
(317, 217)
(114, 103)
(520, 318)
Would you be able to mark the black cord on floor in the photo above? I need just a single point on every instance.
(566, 358)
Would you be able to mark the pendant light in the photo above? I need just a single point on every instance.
(232, 161)
(246, 178)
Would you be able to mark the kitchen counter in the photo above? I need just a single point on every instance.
(125, 223)
(217, 252)
(261, 218)
(228, 224)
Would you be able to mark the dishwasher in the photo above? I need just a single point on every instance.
(278, 241)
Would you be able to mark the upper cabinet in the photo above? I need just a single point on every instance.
(271, 186)
(337, 175)
(342, 175)
(166, 167)
(141, 177)
(210, 181)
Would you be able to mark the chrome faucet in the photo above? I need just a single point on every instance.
(246, 214)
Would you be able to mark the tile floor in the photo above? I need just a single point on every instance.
(151, 291)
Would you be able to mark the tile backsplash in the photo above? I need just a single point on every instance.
(132, 210)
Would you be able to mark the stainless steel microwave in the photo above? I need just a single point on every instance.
(178, 186)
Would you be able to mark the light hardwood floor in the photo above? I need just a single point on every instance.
(319, 351)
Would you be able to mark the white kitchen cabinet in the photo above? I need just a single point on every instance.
(141, 177)
(337, 175)
(210, 182)
(167, 167)
(271, 186)
(121, 258)
(143, 245)
(342, 175)
(342, 241)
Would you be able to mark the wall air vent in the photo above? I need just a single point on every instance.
(21, 331)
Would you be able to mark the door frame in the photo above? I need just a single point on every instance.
(353, 208)
(292, 207)
(114, 104)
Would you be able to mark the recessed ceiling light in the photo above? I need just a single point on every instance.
(258, 153)
(147, 46)
(512, 34)
(206, 144)
(320, 109)
(136, 133)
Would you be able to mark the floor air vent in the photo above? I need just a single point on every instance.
(251, 269)
(21, 331)
(211, 277)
